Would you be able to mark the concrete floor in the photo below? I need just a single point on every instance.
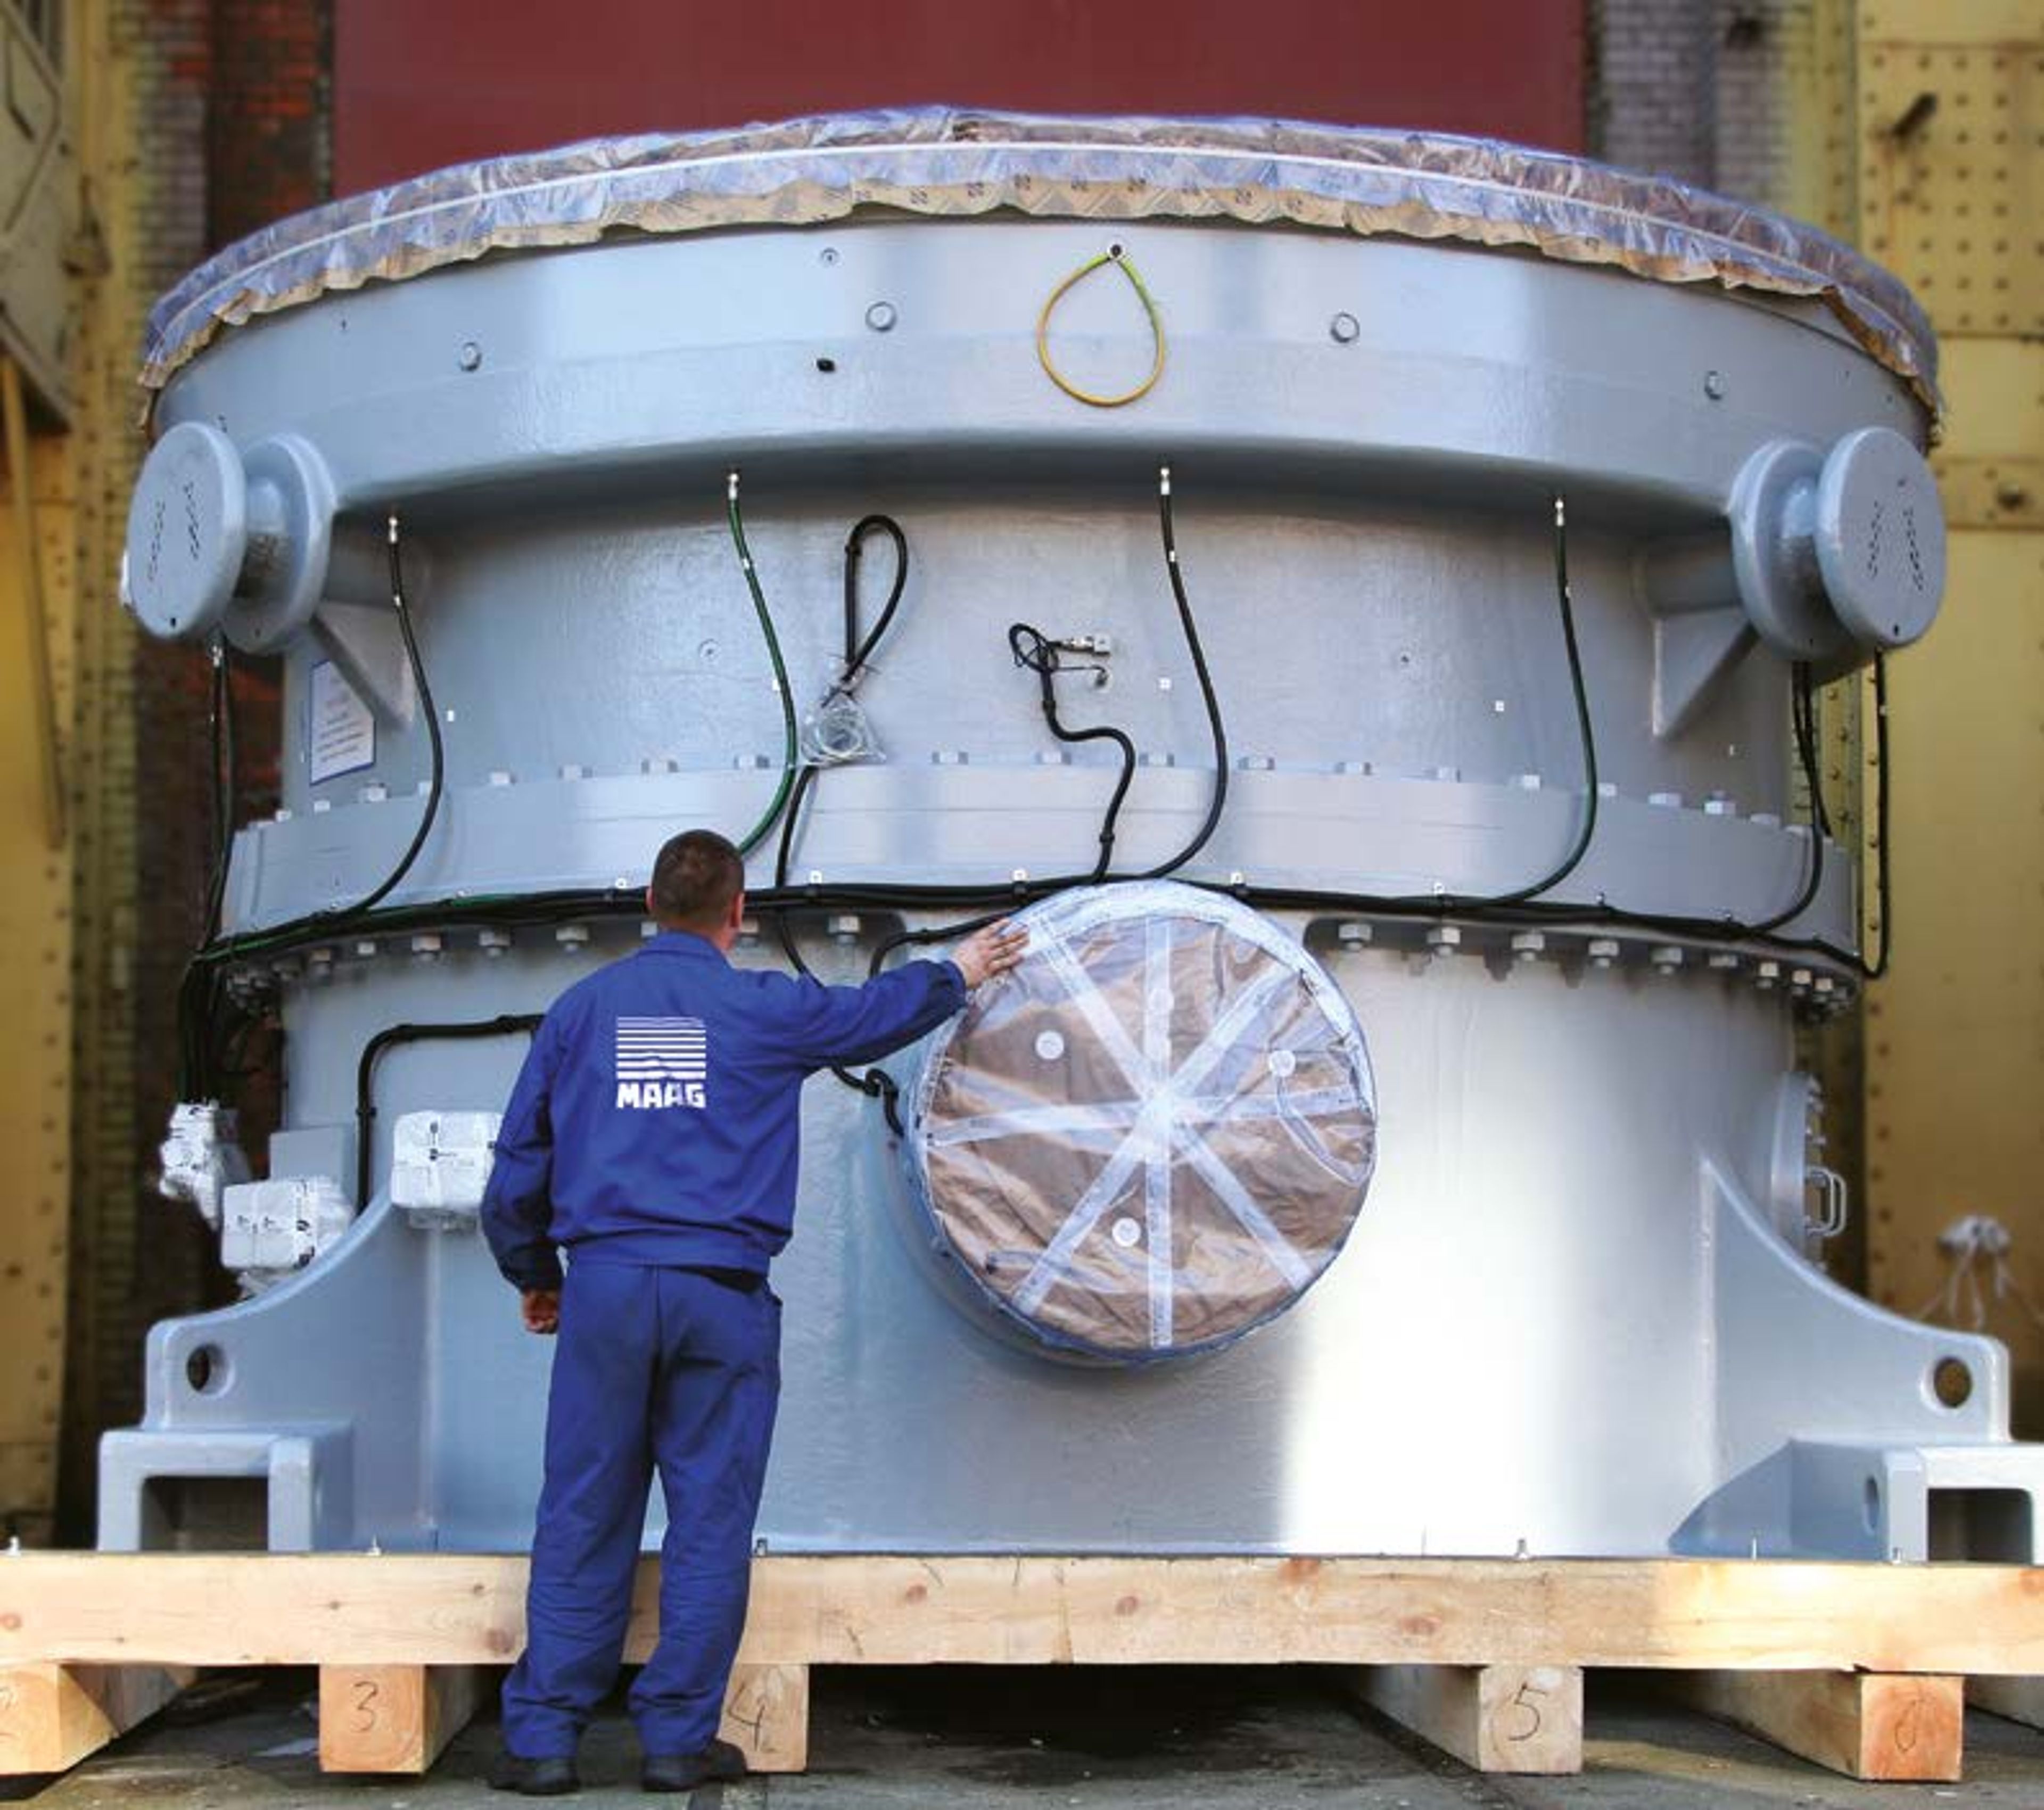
(1102, 1739)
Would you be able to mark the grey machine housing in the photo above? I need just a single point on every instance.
(1583, 1310)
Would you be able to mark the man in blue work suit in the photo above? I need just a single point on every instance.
(653, 1135)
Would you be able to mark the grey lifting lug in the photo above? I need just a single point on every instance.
(242, 544)
(1830, 558)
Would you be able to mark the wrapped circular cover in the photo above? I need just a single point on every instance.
(1154, 1135)
(954, 163)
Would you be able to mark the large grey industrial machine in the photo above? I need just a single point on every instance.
(1410, 558)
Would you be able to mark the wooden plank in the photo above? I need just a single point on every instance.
(1868, 1725)
(1500, 1719)
(394, 1719)
(766, 1716)
(453, 1609)
(51, 1716)
(2018, 1699)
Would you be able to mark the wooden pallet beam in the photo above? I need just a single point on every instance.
(51, 1716)
(1867, 1725)
(1497, 1718)
(766, 1716)
(456, 1609)
(394, 1719)
(2016, 1699)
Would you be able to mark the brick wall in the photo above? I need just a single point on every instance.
(1695, 90)
(269, 137)
(1650, 86)
(1750, 103)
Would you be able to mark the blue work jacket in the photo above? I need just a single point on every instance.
(657, 1118)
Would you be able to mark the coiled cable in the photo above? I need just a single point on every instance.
(1036, 652)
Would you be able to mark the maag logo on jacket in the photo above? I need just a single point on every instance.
(662, 1061)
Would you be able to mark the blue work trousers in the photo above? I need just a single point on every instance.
(655, 1367)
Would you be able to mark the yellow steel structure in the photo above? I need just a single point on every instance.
(68, 320)
(38, 606)
(1949, 144)
(38, 598)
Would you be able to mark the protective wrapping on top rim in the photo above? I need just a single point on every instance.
(945, 161)
(1155, 1135)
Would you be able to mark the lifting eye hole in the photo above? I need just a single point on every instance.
(1951, 1382)
(205, 1369)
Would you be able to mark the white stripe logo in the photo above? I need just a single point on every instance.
(662, 1061)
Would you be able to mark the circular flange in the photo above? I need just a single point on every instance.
(1154, 1135)
(290, 534)
(1879, 533)
(187, 532)
(1774, 502)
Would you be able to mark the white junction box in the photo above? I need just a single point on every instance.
(439, 1162)
(201, 1158)
(272, 1228)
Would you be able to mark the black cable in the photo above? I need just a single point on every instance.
(1803, 715)
(317, 924)
(1038, 653)
(1585, 729)
(734, 521)
(507, 1025)
(569, 905)
(1217, 799)
(220, 737)
(1883, 904)
(1033, 650)
(432, 720)
(1519, 907)
(875, 1083)
(199, 994)
(858, 652)
(196, 991)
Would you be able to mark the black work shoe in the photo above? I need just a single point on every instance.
(552, 1777)
(684, 1771)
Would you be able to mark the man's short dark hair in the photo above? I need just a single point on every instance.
(698, 875)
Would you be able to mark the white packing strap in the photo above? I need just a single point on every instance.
(1157, 1167)
(1153, 1129)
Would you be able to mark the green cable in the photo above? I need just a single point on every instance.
(788, 755)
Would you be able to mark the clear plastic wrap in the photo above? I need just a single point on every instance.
(948, 162)
(837, 731)
(1155, 1134)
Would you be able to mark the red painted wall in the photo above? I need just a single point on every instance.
(420, 83)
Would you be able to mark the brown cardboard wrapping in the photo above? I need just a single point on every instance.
(1155, 1134)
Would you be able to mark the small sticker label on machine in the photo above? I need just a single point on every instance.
(342, 735)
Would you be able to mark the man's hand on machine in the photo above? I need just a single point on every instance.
(543, 1310)
(991, 951)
